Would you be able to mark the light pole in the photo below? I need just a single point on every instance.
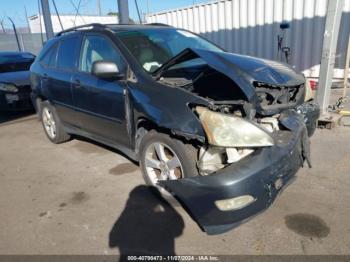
(2, 26)
(15, 31)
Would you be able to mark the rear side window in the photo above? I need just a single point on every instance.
(66, 57)
(49, 58)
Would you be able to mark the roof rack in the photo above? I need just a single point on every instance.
(75, 28)
(159, 24)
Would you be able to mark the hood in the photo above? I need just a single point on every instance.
(241, 69)
(18, 78)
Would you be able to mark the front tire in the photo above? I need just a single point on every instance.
(52, 125)
(166, 158)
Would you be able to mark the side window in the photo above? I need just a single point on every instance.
(66, 58)
(49, 58)
(97, 48)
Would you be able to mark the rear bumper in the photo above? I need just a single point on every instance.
(255, 175)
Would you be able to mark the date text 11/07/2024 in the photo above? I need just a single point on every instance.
(173, 258)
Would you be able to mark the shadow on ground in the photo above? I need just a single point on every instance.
(94, 145)
(148, 225)
(10, 116)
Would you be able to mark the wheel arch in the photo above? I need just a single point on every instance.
(145, 125)
(37, 101)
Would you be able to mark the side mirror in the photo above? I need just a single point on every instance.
(106, 69)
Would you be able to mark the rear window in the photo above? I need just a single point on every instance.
(15, 62)
(66, 58)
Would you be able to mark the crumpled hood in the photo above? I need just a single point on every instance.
(261, 70)
(241, 69)
(19, 78)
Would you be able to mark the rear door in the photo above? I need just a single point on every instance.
(100, 102)
(46, 71)
(60, 78)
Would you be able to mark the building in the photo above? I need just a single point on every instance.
(36, 22)
(251, 28)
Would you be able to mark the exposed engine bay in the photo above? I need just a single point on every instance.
(227, 98)
(213, 158)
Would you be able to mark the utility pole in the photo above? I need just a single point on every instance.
(15, 31)
(98, 5)
(41, 26)
(47, 19)
(330, 39)
(123, 9)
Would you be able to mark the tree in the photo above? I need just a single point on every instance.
(117, 14)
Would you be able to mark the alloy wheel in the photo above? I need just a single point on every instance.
(49, 123)
(162, 163)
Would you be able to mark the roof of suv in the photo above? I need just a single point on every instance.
(114, 27)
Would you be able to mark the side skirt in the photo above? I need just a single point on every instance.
(124, 150)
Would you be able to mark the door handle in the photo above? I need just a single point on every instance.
(45, 76)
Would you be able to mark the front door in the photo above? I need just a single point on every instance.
(100, 102)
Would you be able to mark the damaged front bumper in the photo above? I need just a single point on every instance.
(10, 101)
(262, 175)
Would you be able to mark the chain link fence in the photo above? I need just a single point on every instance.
(28, 42)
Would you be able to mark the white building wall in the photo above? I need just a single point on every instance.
(69, 21)
(251, 27)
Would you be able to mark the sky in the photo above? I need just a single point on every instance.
(16, 8)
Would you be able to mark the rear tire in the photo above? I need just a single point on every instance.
(166, 158)
(52, 124)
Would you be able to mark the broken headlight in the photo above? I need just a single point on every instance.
(231, 131)
(8, 87)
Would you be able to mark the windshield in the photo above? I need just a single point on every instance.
(15, 62)
(153, 47)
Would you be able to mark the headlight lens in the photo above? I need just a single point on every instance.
(231, 131)
(8, 87)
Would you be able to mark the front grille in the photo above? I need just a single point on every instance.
(24, 89)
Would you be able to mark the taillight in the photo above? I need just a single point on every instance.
(313, 85)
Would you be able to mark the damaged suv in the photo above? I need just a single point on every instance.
(223, 133)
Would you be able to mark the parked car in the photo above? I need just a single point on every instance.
(224, 133)
(311, 87)
(15, 81)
